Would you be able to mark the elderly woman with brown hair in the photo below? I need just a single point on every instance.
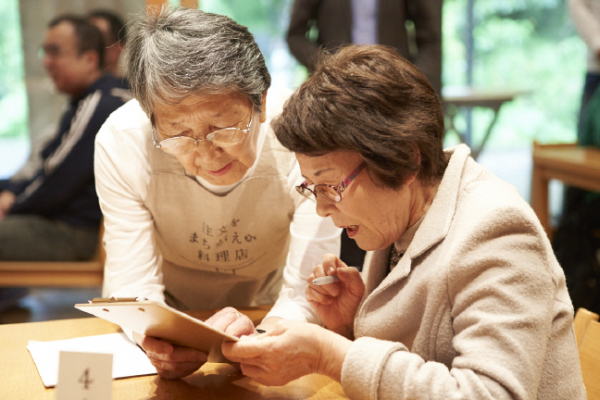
(462, 295)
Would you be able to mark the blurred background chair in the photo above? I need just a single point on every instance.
(63, 274)
(587, 333)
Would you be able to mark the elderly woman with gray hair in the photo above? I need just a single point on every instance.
(198, 197)
(462, 296)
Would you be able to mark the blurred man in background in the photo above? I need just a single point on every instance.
(55, 215)
(114, 33)
(586, 18)
(576, 241)
(412, 27)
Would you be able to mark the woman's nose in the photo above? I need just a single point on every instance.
(325, 208)
(208, 151)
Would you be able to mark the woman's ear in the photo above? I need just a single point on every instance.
(417, 154)
(417, 160)
(263, 106)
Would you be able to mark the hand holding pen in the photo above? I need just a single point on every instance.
(334, 291)
(324, 280)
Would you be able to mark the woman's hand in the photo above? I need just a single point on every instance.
(230, 321)
(289, 351)
(336, 303)
(175, 362)
(7, 199)
(170, 361)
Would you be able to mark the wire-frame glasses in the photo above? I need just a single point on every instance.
(332, 194)
(180, 145)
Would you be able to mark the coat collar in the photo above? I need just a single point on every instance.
(433, 229)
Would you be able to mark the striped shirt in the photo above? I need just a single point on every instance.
(63, 188)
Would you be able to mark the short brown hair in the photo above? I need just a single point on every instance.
(87, 36)
(370, 100)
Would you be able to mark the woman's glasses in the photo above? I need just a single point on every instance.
(181, 145)
(331, 194)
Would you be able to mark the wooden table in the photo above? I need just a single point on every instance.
(19, 378)
(573, 165)
(456, 97)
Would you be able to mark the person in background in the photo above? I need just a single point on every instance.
(114, 32)
(341, 22)
(199, 198)
(462, 296)
(576, 241)
(585, 15)
(55, 215)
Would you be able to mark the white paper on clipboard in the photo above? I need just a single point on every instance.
(156, 319)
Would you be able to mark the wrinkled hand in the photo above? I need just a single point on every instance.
(230, 321)
(7, 199)
(175, 362)
(289, 351)
(336, 303)
(170, 361)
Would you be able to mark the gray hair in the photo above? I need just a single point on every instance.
(182, 52)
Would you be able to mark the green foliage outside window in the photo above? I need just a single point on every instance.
(13, 96)
(526, 45)
(519, 44)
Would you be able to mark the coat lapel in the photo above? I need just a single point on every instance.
(433, 229)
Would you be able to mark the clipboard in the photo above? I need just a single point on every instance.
(152, 318)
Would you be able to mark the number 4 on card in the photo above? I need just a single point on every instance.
(84, 376)
(85, 380)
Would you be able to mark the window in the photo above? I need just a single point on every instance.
(14, 134)
(518, 44)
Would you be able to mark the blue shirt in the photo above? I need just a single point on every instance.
(63, 188)
(364, 21)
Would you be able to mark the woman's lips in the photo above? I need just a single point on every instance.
(222, 171)
(352, 230)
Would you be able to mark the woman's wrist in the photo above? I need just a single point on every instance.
(346, 330)
(333, 353)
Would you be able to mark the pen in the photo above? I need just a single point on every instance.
(325, 280)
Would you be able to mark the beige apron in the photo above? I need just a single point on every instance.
(221, 250)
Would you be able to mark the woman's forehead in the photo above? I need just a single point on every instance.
(199, 99)
(329, 164)
(212, 106)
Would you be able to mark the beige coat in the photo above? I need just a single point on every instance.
(476, 309)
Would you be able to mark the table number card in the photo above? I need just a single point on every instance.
(84, 376)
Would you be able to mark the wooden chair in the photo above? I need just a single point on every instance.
(587, 333)
(572, 164)
(64, 274)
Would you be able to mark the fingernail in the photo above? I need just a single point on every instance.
(331, 270)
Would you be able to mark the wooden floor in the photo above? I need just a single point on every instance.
(45, 304)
